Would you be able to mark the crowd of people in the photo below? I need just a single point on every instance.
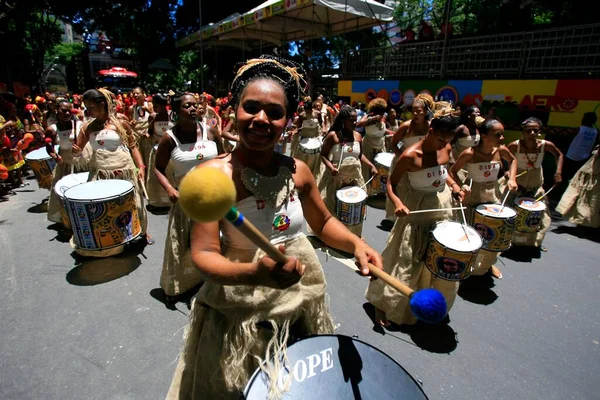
(435, 161)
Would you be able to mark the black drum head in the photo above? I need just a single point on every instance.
(331, 367)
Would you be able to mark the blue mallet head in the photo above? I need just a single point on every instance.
(428, 305)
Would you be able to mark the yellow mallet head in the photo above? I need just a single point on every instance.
(206, 194)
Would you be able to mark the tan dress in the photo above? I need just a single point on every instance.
(233, 328)
(179, 274)
(373, 144)
(407, 244)
(310, 137)
(530, 185)
(157, 196)
(111, 159)
(140, 129)
(346, 157)
(484, 190)
(580, 204)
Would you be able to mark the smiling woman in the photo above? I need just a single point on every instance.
(250, 306)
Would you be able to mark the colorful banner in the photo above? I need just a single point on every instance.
(558, 103)
(248, 19)
(278, 8)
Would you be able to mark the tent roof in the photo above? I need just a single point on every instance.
(278, 21)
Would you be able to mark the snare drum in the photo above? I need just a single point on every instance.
(529, 214)
(103, 214)
(61, 187)
(495, 225)
(451, 254)
(383, 163)
(310, 145)
(335, 367)
(42, 165)
(351, 205)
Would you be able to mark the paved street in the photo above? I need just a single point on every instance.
(96, 329)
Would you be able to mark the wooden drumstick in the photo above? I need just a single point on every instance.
(504, 201)
(545, 194)
(436, 209)
(204, 205)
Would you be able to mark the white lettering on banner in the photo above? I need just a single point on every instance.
(317, 363)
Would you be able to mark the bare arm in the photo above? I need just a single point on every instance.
(328, 144)
(462, 160)
(512, 161)
(402, 166)
(559, 160)
(51, 134)
(163, 156)
(398, 136)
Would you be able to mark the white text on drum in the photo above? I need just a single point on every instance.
(307, 369)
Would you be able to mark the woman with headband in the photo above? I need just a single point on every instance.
(250, 306)
(467, 134)
(409, 133)
(530, 153)
(421, 172)
(114, 148)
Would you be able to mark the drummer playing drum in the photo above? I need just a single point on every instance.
(427, 185)
(483, 163)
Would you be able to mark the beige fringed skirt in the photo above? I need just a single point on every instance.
(118, 164)
(390, 209)
(79, 164)
(404, 254)
(179, 274)
(224, 343)
(349, 175)
(482, 193)
(157, 196)
(530, 185)
(313, 161)
(371, 146)
(580, 204)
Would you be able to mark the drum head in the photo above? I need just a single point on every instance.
(311, 143)
(97, 190)
(384, 159)
(338, 367)
(529, 203)
(69, 181)
(39, 154)
(496, 211)
(452, 235)
(351, 194)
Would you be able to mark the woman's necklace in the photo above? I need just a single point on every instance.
(273, 190)
(530, 162)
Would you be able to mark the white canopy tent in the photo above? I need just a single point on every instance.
(278, 21)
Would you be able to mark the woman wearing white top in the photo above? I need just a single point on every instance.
(530, 177)
(483, 163)
(409, 133)
(467, 134)
(114, 150)
(250, 306)
(63, 133)
(158, 125)
(342, 157)
(187, 145)
(139, 114)
(422, 168)
(313, 126)
(374, 139)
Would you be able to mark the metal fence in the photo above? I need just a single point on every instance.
(551, 53)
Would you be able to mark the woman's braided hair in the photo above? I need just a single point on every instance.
(445, 117)
(344, 114)
(287, 73)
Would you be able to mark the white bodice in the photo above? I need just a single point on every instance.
(429, 179)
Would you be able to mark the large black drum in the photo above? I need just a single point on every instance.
(333, 367)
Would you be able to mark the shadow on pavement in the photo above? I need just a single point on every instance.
(158, 210)
(95, 271)
(39, 208)
(477, 289)
(582, 232)
(63, 235)
(435, 338)
(385, 225)
(187, 297)
(377, 202)
(522, 253)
